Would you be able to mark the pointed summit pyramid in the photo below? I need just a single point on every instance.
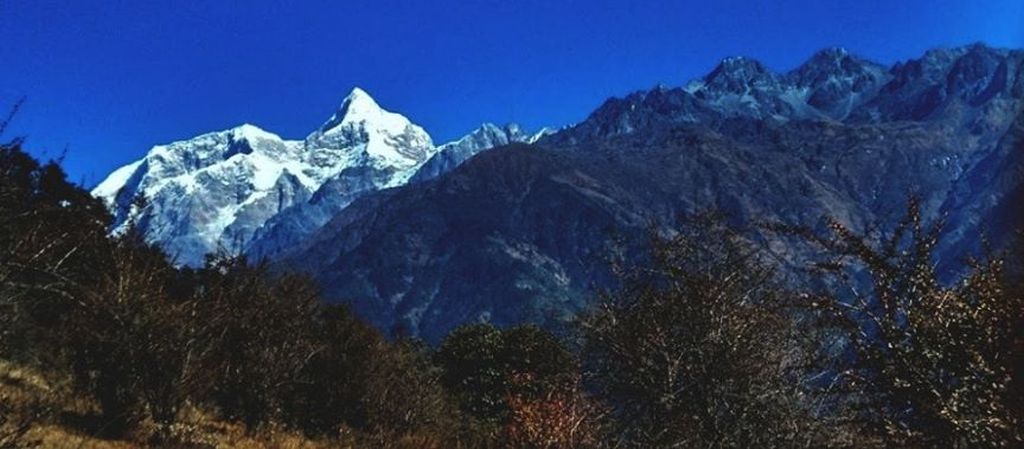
(358, 106)
(360, 109)
(738, 73)
(359, 101)
(361, 125)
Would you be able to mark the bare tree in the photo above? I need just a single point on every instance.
(693, 351)
(927, 363)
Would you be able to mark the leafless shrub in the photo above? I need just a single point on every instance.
(566, 418)
(694, 351)
(928, 364)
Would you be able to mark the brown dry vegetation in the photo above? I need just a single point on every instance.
(58, 418)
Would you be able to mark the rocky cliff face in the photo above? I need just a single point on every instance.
(210, 192)
(451, 155)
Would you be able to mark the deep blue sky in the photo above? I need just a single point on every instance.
(108, 79)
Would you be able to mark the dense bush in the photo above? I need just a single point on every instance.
(484, 366)
(128, 342)
(51, 235)
(262, 337)
(329, 394)
(404, 398)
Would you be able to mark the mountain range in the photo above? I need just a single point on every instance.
(420, 238)
(248, 190)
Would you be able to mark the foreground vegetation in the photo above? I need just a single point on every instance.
(104, 343)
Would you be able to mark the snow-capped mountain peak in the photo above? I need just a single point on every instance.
(220, 190)
(181, 158)
(362, 126)
(360, 107)
(245, 189)
(251, 133)
(107, 189)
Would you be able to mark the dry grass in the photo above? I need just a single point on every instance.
(57, 437)
(22, 387)
(52, 436)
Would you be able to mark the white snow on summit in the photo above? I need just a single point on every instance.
(214, 191)
(107, 190)
(387, 138)
(245, 189)
(359, 108)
